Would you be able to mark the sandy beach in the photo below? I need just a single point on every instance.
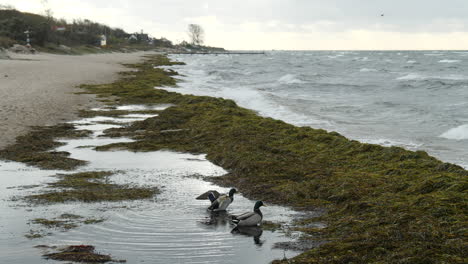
(38, 90)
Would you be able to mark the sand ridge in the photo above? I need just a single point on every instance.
(39, 90)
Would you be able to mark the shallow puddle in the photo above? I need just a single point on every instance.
(173, 227)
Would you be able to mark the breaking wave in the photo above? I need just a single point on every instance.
(290, 79)
(449, 61)
(457, 133)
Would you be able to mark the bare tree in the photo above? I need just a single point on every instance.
(196, 34)
(47, 10)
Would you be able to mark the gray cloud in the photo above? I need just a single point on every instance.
(400, 15)
(235, 22)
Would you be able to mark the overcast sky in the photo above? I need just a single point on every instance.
(281, 24)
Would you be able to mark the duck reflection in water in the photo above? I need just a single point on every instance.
(251, 231)
(217, 218)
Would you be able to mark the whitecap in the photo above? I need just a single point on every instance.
(290, 79)
(367, 70)
(411, 61)
(449, 61)
(433, 54)
(335, 56)
(457, 133)
(389, 143)
(415, 76)
(411, 76)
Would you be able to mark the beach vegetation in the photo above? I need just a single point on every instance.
(78, 37)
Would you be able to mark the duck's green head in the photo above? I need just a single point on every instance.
(232, 192)
(258, 204)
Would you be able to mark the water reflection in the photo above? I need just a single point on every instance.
(250, 231)
(215, 219)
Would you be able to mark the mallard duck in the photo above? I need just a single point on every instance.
(219, 202)
(251, 218)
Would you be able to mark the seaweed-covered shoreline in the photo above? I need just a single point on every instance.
(384, 204)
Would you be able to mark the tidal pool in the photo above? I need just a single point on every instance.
(173, 227)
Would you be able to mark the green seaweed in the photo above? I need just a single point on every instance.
(34, 234)
(90, 187)
(34, 148)
(51, 223)
(81, 253)
(384, 204)
(271, 226)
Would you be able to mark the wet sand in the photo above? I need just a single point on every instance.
(39, 90)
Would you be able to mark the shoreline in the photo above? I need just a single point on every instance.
(41, 89)
(384, 203)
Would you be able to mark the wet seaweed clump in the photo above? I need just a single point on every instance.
(53, 223)
(90, 187)
(32, 234)
(66, 221)
(271, 226)
(81, 253)
(34, 148)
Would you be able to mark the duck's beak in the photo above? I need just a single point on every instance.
(265, 205)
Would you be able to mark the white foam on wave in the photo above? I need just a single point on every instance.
(389, 143)
(411, 76)
(367, 70)
(290, 79)
(449, 61)
(457, 133)
(411, 61)
(433, 54)
(335, 56)
(416, 76)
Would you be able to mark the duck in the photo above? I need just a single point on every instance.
(219, 202)
(250, 218)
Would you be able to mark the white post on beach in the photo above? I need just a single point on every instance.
(28, 41)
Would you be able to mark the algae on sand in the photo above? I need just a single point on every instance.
(90, 187)
(34, 148)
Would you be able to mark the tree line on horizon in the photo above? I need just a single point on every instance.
(47, 30)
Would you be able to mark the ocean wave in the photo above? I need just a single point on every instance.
(434, 54)
(411, 61)
(367, 70)
(416, 76)
(290, 79)
(335, 56)
(389, 143)
(457, 133)
(449, 61)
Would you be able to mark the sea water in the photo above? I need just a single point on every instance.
(414, 99)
